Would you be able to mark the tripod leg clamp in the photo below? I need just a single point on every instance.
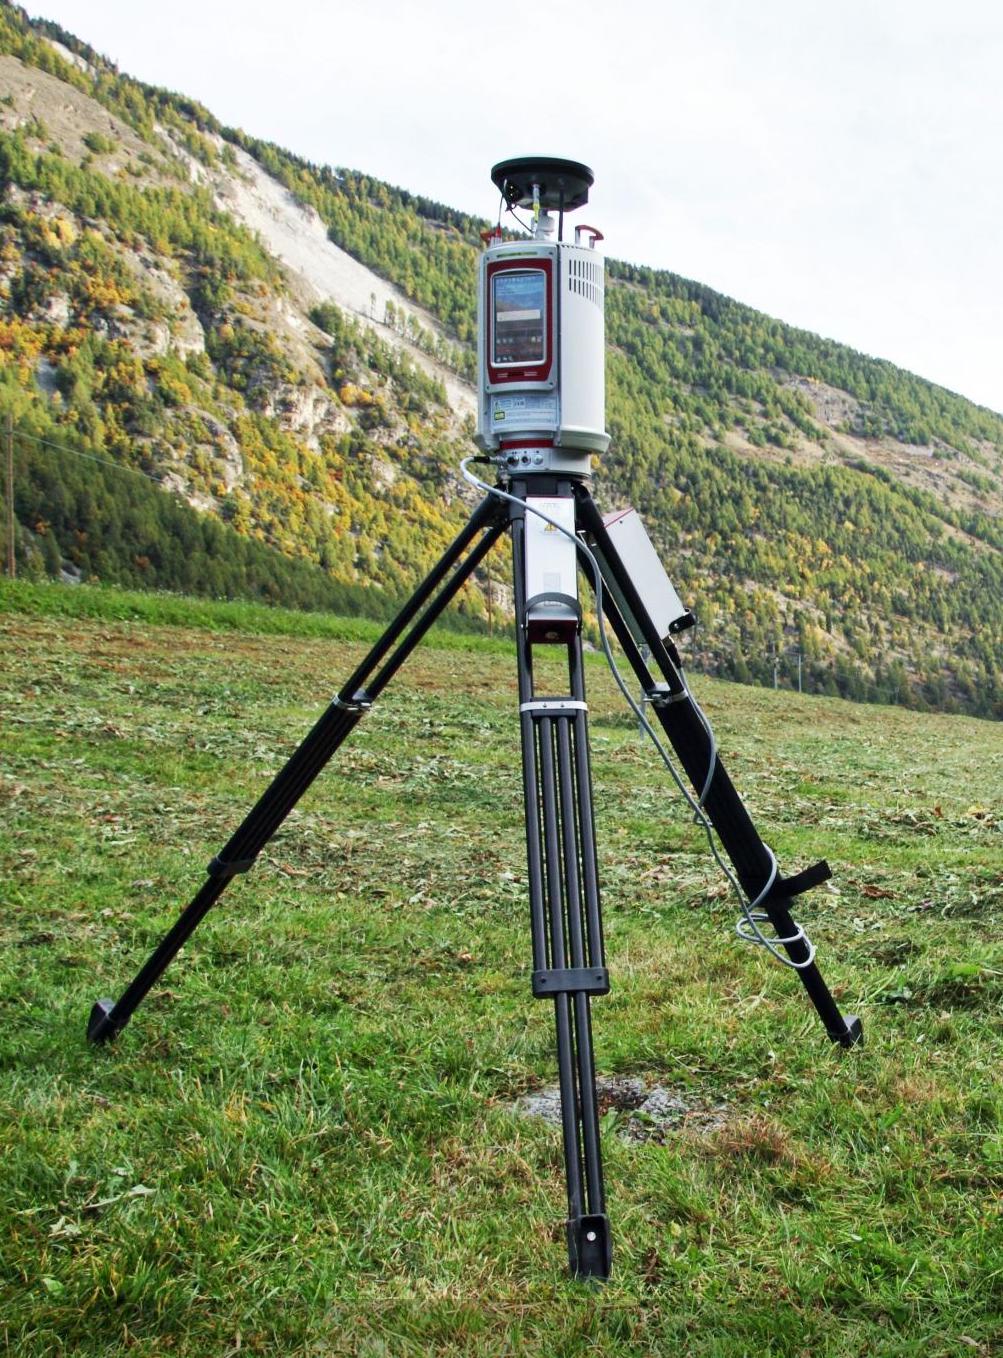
(570, 980)
(221, 868)
(663, 695)
(359, 702)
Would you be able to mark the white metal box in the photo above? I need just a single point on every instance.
(647, 574)
(551, 569)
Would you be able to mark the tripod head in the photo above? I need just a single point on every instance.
(540, 330)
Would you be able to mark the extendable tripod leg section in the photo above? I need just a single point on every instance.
(754, 865)
(565, 919)
(345, 711)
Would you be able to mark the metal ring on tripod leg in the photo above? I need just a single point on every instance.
(356, 704)
(553, 707)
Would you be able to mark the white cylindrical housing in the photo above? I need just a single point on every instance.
(541, 355)
(583, 349)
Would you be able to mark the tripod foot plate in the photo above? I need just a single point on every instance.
(101, 1025)
(852, 1035)
(590, 1250)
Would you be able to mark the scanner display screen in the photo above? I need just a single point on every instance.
(519, 306)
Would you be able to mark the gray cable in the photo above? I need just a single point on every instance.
(90, 457)
(747, 927)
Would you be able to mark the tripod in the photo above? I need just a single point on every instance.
(565, 916)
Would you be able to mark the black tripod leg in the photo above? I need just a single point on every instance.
(568, 962)
(403, 634)
(682, 723)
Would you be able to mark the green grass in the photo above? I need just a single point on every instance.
(48, 599)
(303, 1143)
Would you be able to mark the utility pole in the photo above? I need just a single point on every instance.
(11, 563)
(799, 671)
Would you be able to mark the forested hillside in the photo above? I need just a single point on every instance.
(808, 500)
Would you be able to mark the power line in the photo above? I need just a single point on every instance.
(90, 457)
(59, 448)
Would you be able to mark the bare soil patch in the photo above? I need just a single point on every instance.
(651, 1112)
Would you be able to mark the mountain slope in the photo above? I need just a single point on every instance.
(286, 347)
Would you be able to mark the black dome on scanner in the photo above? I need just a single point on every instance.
(563, 184)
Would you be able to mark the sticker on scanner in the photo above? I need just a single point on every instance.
(525, 411)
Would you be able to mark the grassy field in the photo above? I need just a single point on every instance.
(304, 1143)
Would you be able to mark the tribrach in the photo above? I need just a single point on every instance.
(541, 420)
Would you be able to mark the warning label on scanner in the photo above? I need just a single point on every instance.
(530, 410)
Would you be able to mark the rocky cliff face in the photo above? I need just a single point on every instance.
(214, 378)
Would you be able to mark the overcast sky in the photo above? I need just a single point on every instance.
(837, 165)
